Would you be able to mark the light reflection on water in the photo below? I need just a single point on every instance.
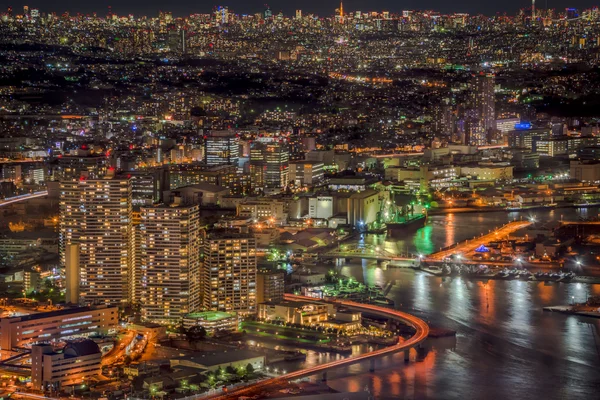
(506, 347)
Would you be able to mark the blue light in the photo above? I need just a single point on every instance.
(523, 126)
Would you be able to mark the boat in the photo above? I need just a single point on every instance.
(294, 355)
(410, 225)
(382, 301)
(520, 207)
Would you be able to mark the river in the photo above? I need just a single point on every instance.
(506, 347)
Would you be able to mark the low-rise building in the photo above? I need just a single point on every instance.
(585, 171)
(303, 313)
(212, 321)
(76, 363)
(26, 330)
(345, 320)
(238, 358)
(200, 193)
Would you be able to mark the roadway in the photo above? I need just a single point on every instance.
(421, 328)
(23, 197)
(119, 351)
(469, 246)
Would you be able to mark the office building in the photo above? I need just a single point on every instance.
(269, 164)
(229, 273)
(81, 163)
(264, 209)
(505, 125)
(68, 323)
(97, 215)
(221, 147)
(306, 173)
(526, 137)
(270, 285)
(76, 363)
(170, 262)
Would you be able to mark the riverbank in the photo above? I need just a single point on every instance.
(497, 275)
(465, 210)
(584, 311)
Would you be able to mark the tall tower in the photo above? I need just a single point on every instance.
(483, 105)
(170, 262)
(229, 273)
(532, 10)
(96, 214)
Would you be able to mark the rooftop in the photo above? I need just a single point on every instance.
(223, 357)
(210, 315)
(57, 313)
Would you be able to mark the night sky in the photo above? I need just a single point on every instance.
(322, 8)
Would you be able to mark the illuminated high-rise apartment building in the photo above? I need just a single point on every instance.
(229, 273)
(169, 271)
(96, 214)
(484, 101)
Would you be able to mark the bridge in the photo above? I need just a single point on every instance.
(23, 197)
(368, 252)
(580, 222)
(469, 246)
(421, 333)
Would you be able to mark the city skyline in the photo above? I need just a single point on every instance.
(182, 8)
(217, 203)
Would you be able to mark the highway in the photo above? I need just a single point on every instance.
(422, 331)
(23, 197)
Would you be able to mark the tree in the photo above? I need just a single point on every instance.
(249, 368)
(195, 333)
(230, 370)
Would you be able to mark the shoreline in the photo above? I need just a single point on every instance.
(466, 210)
(571, 311)
(577, 279)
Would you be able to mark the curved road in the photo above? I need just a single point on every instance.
(422, 330)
